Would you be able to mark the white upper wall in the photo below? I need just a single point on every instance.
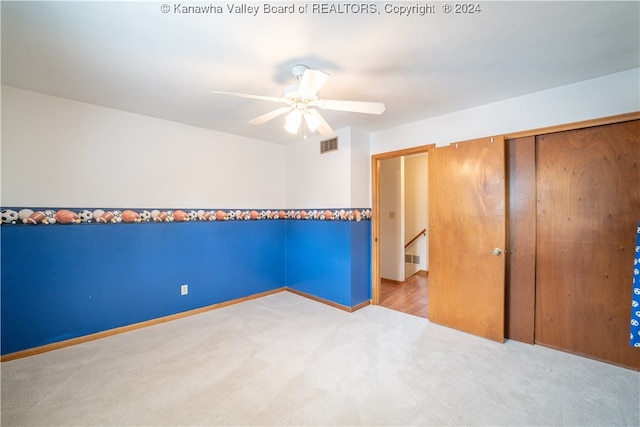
(610, 95)
(336, 179)
(360, 169)
(62, 153)
(317, 180)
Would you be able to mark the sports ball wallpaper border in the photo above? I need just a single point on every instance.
(51, 216)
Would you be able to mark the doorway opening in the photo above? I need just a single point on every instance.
(400, 252)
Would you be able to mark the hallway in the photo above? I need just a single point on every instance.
(409, 296)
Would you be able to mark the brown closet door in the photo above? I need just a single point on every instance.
(588, 187)
(521, 230)
(466, 222)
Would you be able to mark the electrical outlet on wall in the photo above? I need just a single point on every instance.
(184, 289)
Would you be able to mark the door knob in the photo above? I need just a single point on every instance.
(496, 251)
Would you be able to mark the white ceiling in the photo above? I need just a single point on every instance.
(133, 57)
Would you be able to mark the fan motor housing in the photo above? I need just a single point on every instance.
(298, 70)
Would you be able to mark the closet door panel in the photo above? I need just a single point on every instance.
(588, 207)
(521, 230)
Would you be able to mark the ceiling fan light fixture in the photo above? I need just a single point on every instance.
(313, 122)
(292, 121)
(300, 97)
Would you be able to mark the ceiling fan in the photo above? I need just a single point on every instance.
(300, 100)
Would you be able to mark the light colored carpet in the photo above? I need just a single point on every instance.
(287, 360)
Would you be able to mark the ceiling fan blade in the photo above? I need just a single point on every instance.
(244, 95)
(353, 106)
(323, 128)
(312, 81)
(271, 115)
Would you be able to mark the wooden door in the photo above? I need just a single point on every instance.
(588, 190)
(466, 222)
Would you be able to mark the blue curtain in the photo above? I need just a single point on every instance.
(635, 302)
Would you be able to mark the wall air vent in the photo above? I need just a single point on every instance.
(328, 145)
(412, 259)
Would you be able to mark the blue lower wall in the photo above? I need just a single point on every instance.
(65, 281)
(330, 260)
(360, 262)
(61, 282)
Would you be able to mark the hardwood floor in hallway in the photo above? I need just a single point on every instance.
(408, 297)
